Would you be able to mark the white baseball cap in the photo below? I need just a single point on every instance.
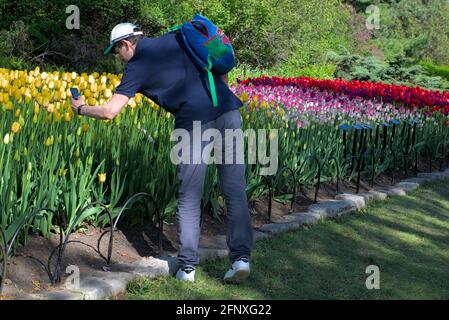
(120, 32)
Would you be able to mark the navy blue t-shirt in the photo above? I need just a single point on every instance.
(163, 70)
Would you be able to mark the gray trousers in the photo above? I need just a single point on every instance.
(232, 180)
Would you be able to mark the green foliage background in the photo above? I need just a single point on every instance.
(282, 37)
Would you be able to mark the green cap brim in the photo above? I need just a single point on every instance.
(108, 49)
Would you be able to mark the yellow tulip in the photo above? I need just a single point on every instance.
(108, 93)
(67, 117)
(91, 101)
(252, 104)
(85, 127)
(49, 141)
(9, 106)
(102, 177)
(56, 116)
(132, 103)
(4, 84)
(36, 108)
(15, 127)
(50, 107)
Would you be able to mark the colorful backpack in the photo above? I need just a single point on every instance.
(209, 46)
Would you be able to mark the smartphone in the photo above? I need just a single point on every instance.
(75, 93)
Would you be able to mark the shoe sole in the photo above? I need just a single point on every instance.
(238, 277)
(185, 279)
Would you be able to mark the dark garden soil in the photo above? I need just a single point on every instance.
(26, 275)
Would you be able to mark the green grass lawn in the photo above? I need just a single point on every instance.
(406, 237)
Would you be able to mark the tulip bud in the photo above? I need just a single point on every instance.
(6, 138)
(49, 141)
(17, 156)
(21, 121)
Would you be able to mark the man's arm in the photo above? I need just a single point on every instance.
(108, 111)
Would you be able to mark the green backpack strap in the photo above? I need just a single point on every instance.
(175, 28)
(213, 92)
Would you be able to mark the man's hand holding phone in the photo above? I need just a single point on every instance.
(77, 101)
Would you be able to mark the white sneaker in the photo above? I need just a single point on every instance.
(186, 273)
(239, 271)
